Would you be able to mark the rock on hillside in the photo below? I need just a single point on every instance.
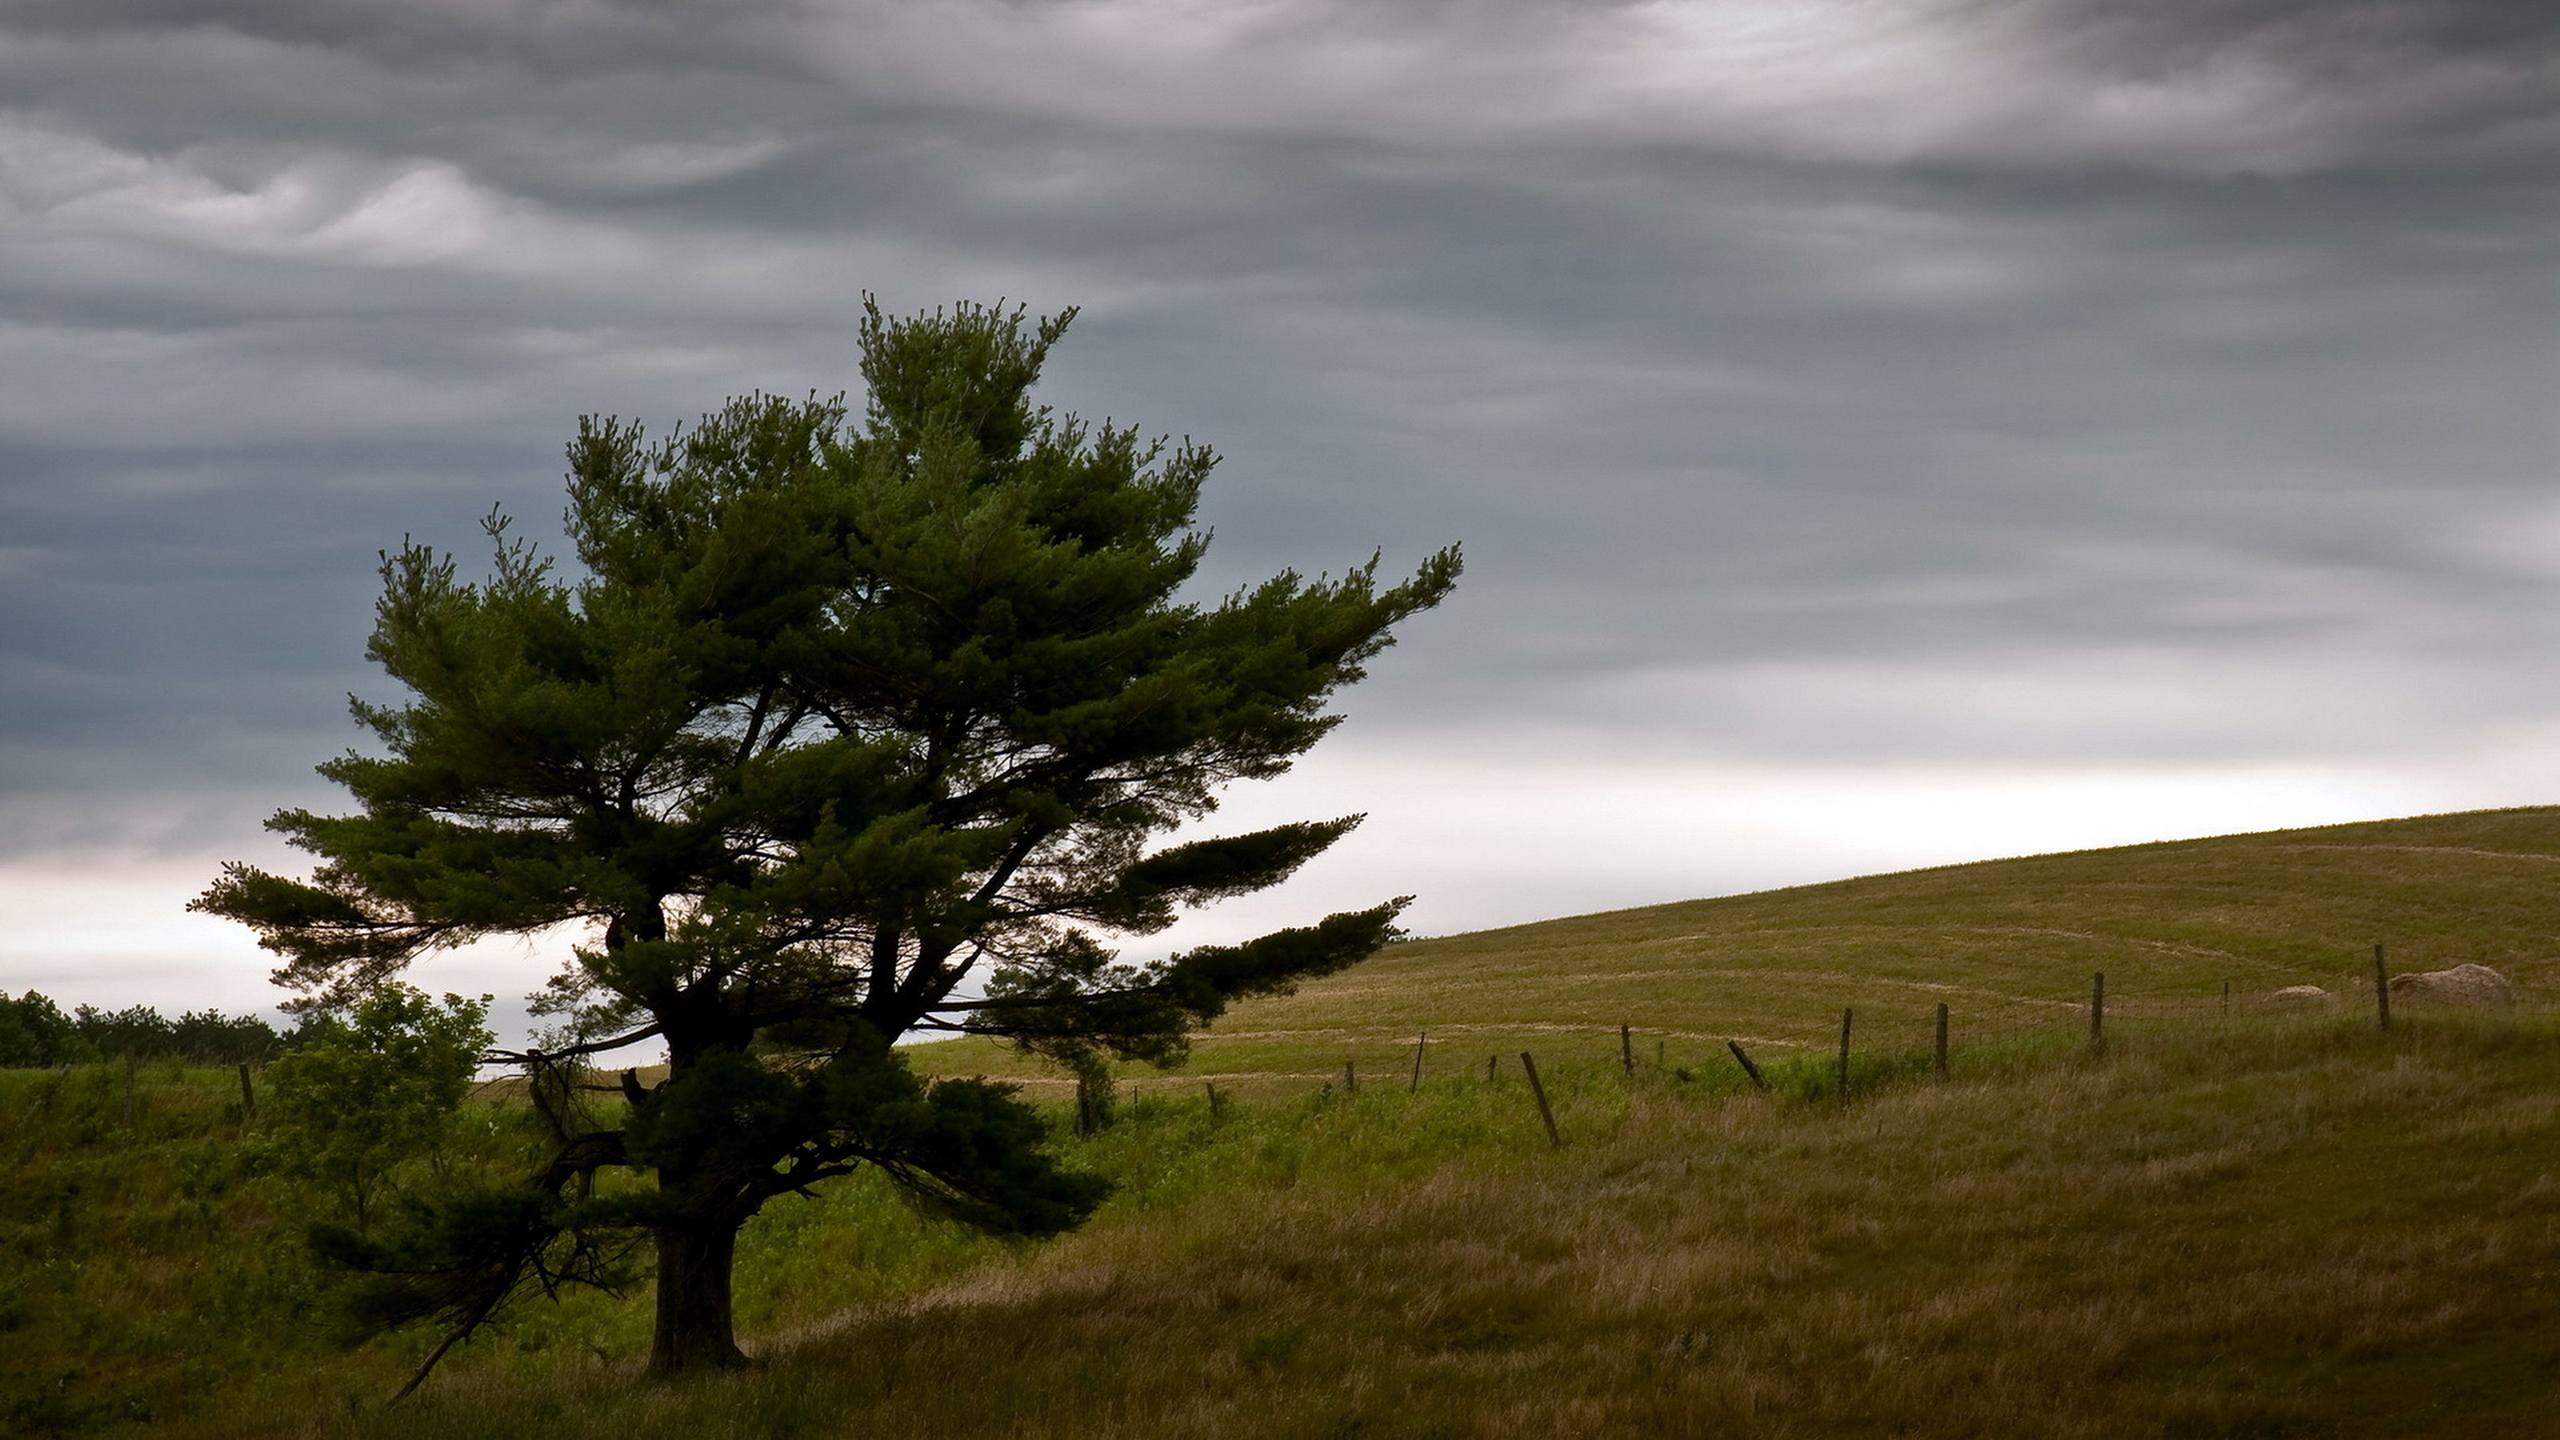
(2463, 984)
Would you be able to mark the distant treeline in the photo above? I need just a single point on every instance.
(35, 1032)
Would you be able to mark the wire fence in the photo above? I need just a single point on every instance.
(1874, 1024)
(1864, 1026)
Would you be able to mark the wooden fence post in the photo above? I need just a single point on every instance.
(1626, 1050)
(2381, 989)
(1350, 1077)
(1942, 1039)
(1757, 1079)
(1544, 1113)
(1215, 1103)
(1488, 1067)
(2098, 1007)
(248, 1096)
(2226, 997)
(1844, 1052)
(128, 1089)
(1419, 1038)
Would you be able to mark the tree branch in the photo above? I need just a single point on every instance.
(590, 1047)
(459, 1334)
(1039, 1002)
(755, 725)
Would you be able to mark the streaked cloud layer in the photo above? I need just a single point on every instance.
(1882, 432)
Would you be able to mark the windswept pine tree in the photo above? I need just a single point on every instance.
(840, 731)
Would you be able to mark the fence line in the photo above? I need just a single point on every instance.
(1935, 1034)
(1872, 1030)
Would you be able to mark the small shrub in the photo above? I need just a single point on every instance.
(363, 1094)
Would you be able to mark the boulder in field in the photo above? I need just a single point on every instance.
(2299, 995)
(2461, 985)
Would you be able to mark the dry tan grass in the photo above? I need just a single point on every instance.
(2282, 1225)
(2008, 945)
(2304, 1228)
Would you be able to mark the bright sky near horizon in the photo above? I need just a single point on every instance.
(1883, 433)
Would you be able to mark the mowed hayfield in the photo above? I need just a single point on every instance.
(2275, 1222)
(2009, 946)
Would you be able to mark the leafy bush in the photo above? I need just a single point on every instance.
(359, 1095)
(35, 1032)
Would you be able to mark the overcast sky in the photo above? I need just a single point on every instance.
(1882, 433)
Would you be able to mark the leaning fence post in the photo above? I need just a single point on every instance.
(1214, 1102)
(1350, 1077)
(1748, 1068)
(1544, 1113)
(1419, 1037)
(2382, 989)
(2098, 1007)
(1942, 1039)
(1844, 1052)
(1626, 1049)
(248, 1096)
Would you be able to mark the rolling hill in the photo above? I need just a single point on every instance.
(2279, 1222)
(2007, 945)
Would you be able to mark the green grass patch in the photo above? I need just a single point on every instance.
(2009, 946)
(2271, 1223)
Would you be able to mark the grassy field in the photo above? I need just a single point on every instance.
(2297, 1229)
(2280, 1223)
(2008, 945)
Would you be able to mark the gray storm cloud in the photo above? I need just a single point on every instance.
(1900, 399)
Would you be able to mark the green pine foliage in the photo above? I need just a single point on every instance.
(840, 730)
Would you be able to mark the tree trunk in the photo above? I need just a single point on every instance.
(697, 1250)
(694, 1330)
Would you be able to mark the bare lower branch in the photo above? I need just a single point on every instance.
(565, 1052)
(1041, 1002)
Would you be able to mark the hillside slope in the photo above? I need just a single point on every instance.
(2008, 945)
(2287, 1223)
(2300, 1228)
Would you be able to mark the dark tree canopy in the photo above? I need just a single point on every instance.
(841, 730)
(34, 1031)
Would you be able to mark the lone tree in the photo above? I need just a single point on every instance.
(841, 731)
